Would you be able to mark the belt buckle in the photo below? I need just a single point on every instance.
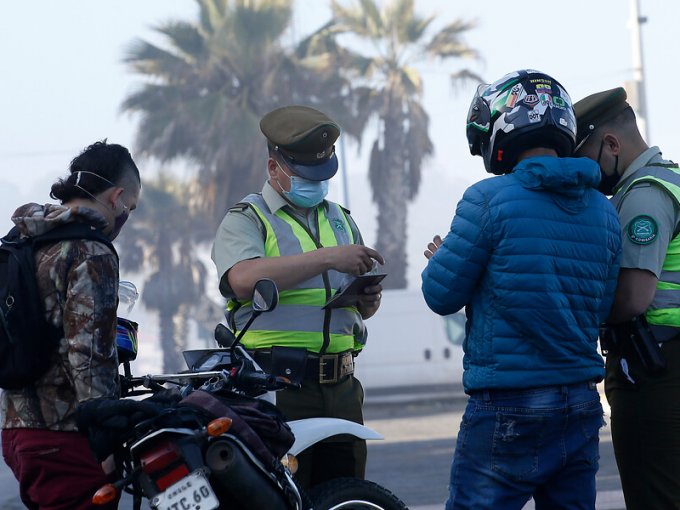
(323, 360)
(346, 364)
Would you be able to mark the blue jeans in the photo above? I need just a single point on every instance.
(515, 444)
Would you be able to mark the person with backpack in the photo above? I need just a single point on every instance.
(533, 255)
(77, 285)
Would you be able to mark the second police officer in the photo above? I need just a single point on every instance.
(643, 362)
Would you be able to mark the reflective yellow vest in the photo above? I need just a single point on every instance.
(299, 319)
(665, 308)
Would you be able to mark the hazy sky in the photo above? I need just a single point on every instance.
(62, 82)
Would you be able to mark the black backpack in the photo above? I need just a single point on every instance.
(27, 339)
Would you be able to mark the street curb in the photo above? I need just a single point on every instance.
(451, 393)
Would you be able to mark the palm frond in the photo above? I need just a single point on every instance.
(464, 76)
(151, 60)
(363, 20)
(186, 38)
(411, 82)
(210, 14)
(448, 42)
(416, 28)
(404, 24)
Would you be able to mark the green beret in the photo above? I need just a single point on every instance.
(596, 109)
(304, 137)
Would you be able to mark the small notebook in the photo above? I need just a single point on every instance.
(350, 294)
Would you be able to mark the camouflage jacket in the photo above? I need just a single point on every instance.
(78, 282)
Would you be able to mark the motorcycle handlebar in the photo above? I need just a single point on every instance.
(245, 377)
(258, 379)
(248, 378)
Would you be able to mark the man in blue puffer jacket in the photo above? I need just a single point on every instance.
(533, 256)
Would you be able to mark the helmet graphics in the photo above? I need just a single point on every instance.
(126, 339)
(523, 110)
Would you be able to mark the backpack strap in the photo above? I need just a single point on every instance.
(12, 237)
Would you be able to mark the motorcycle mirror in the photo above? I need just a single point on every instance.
(265, 299)
(224, 336)
(265, 295)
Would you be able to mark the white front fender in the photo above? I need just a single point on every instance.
(312, 430)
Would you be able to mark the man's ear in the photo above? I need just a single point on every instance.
(272, 167)
(114, 196)
(613, 143)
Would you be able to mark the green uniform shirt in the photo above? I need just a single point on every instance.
(241, 234)
(652, 206)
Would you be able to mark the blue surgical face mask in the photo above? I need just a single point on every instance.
(303, 192)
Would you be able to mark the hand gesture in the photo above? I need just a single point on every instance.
(354, 259)
(433, 247)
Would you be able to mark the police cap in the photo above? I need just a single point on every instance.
(304, 137)
(596, 109)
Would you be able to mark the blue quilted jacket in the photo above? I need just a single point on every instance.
(533, 256)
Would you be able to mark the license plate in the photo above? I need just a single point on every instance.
(192, 492)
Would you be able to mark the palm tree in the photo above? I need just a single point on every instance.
(208, 86)
(205, 89)
(389, 89)
(159, 241)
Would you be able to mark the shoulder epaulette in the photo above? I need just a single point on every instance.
(240, 207)
(346, 211)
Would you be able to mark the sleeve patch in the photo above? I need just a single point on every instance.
(642, 230)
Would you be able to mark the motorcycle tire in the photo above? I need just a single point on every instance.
(354, 494)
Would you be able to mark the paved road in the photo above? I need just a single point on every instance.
(414, 459)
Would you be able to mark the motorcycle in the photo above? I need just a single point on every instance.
(208, 437)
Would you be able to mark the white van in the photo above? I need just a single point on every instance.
(409, 345)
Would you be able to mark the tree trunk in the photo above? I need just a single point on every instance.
(171, 357)
(181, 330)
(392, 206)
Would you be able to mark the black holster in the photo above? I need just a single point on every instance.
(635, 337)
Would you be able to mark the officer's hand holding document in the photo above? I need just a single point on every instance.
(352, 287)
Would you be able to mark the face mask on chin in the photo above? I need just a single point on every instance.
(608, 183)
(119, 221)
(303, 192)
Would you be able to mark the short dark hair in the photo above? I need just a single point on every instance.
(625, 118)
(111, 165)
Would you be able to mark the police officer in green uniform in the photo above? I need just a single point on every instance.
(644, 400)
(308, 246)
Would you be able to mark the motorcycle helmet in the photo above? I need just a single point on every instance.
(522, 110)
(126, 340)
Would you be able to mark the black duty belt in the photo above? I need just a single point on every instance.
(324, 368)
